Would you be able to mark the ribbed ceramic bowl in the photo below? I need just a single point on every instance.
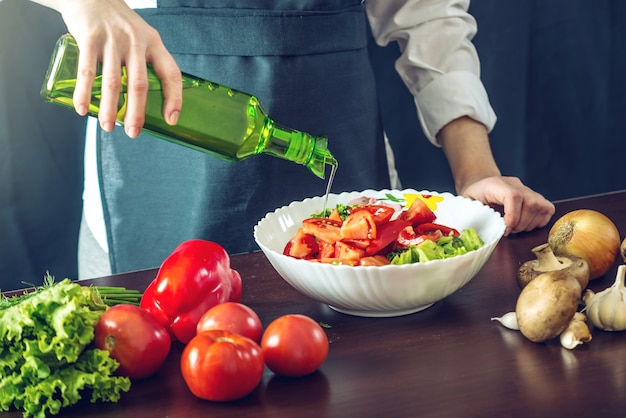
(379, 291)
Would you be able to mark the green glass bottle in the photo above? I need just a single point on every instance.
(215, 119)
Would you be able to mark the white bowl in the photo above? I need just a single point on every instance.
(379, 291)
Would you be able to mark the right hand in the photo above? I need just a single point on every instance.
(110, 32)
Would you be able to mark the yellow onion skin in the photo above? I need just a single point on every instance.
(587, 234)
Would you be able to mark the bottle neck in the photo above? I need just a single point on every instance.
(298, 147)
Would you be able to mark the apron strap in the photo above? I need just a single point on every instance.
(214, 30)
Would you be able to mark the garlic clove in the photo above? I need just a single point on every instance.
(569, 340)
(508, 320)
(576, 333)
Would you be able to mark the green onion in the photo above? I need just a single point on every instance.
(109, 295)
(117, 295)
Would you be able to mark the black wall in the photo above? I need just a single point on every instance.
(554, 72)
(40, 154)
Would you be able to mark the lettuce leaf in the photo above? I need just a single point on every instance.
(444, 247)
(44, 359)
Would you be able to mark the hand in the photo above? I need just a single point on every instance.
(108, 31)
(524, 209)
(476, 175)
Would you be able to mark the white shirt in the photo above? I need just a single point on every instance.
(439, 64)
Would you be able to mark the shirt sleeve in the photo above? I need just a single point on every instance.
(438, 63)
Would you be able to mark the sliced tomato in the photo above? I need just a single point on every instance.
(408, 236)
(375, 260)
(334, 215)
(324, 229)
(381, 214)
(430, 227)
(358, 225)
(418, 213)
(387, 234)
(326, 249)
(302, 245)
(346, 251)
(358, 243)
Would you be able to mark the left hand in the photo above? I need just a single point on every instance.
(524, 209)
(476, 175)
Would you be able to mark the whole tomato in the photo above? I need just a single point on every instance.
(234, 317)
(294, 345)
(221, 366)
(134, 338)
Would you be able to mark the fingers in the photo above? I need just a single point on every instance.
(535, 212)
(512, 213)
(109, 32)
(171, 82)
(111, 86)
(172, 91)
(92, 52)
(137, 89)
(526, 214)
(524, 209)
(135, 93)
(138, 85)
(86, 72)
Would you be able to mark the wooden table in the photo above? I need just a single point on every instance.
(450, 360)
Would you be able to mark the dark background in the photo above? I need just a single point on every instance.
(41, 151)
(554, 72)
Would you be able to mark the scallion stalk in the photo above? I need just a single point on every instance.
(112, 295)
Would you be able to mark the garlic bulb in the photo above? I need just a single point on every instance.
(576, 333)
(607, 309)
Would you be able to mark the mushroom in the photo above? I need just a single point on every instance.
(547, 261)
(547, 304)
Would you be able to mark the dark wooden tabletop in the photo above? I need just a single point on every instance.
(449, 360)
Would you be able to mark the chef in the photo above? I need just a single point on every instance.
(307, 62)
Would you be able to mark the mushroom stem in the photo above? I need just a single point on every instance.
(547, 261)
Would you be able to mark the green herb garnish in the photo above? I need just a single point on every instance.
(389, 196)
(343, 210)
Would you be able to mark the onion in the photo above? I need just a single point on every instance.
(587, 234)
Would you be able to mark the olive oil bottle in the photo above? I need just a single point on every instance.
(216, 119)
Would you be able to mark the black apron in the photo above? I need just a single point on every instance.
(307, 62)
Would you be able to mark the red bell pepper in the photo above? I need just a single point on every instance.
(387, 234)
(430, 227)
(195, 277)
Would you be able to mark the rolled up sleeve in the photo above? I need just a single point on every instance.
(438, 63)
